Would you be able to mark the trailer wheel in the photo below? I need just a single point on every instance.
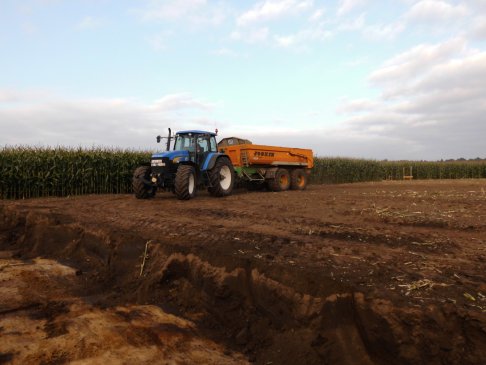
(298, 179)
(185, 182)
(141, 183)
(280, 182)
(222, 178)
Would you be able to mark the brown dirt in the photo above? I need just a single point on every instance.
(376, 273)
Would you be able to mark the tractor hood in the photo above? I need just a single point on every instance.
(171, 155)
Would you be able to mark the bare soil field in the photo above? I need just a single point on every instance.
(369, 273)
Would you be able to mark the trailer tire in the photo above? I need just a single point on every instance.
(281, 181)
(141, 176)
(185, 182)
(298, 179)
(221, 178)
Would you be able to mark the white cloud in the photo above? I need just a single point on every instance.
(435, 16)
(357, 106)
(383, 31)
(304, 36)
(89, 22)
(357, 23)
(159, 41)
(180, 101)
(53, 120)
(346, 6)
(434, 11)
(172, 9)
(397, 73)
(273, 9)
(478, 30)
(257, 35)
(317, 15)
(227, 52)
(198, 12)
(433, 100)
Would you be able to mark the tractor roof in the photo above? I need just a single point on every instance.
(196, 132)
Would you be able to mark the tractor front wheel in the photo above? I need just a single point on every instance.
(141, 183)
(185, 182)
(222, 178)
(280, 182)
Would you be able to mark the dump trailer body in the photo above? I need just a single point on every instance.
(278, 168)
(246, 155)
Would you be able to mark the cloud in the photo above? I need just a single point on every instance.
(414, 63)
(310, 34)
(53, 120)
(435, 11)
(383, 31)
(433, 101)
(227, 52)
(172, 10)
(158, 42)
(317, 15)
(89, 22)
(478, 30)
(257, 35)
(346, 6)
(273, 9)
(182, 101)
(435, 15)
(197, 12)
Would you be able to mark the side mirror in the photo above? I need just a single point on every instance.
(158, 139)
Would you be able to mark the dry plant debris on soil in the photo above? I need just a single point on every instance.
(368, 273)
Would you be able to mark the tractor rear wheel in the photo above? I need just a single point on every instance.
(141, 183)
(185, 182)
(222, 178)
(298, 179)
(280, 182)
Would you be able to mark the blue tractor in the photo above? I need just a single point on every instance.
(194, 162)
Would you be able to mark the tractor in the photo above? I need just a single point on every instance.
(193, 163)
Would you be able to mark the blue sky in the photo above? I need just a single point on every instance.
(376, 79)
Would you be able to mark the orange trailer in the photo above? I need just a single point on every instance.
(280, 168)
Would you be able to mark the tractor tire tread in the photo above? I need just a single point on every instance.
(181, 183)
(215, 188)
(140, 189)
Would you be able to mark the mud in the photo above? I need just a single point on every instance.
(377, 273)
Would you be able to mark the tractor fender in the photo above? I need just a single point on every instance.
(211, 160)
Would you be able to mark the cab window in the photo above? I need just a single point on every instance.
(214, 147)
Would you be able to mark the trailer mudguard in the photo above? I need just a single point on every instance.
(270, 173)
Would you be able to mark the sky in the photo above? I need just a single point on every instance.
(402, 79)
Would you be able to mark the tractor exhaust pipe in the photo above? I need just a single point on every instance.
(168, 140)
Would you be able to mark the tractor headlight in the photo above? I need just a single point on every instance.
(176, 159)
(157, 163)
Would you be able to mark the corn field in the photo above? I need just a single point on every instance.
(34, 172)
(27, 172)
(421, 170)
(336, 170)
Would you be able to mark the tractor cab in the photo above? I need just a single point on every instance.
(197, 144)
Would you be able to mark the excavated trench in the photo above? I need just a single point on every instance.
(232, 302)
(240, 307)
